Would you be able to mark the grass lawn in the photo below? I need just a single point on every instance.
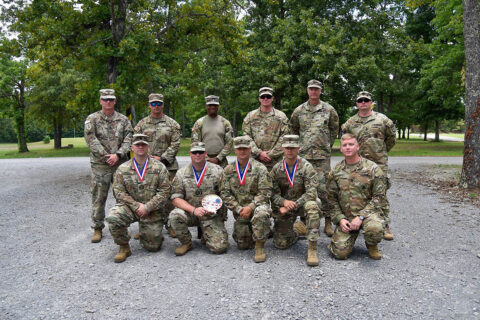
(404, 148)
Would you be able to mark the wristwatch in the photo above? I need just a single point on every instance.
(361, 218)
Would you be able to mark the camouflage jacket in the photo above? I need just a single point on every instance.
(184, 185)
(317, 127)
(357, 189)
(153, 191)
(304, 186)
(375, 134)
(256, 191)
(107, 135)
(266, 130)
(163, 136)
(222, 141)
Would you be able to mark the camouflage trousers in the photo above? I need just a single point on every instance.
(168, 206)
(255, 228)
(322, 167)
(342, 243)
(284, 236)
(386, 206)
(101, 179)
(120, 217)
(213, 229)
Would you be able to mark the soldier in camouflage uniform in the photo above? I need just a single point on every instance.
(316, 122)
(190, 185)
(215, 131)
(164, 137)
(295, 184)
(246, 189)
(108, 135)
(141, 187)
(376, 135)
(266, 125)
(356, 193)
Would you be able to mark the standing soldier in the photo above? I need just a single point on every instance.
(215, 131)
(246, 189)
(375, 133)
(141, 187)
(190, 185)
(356, 194)
(316, 122)
(164, 137)
(108, 135)
(295, 185)
(266, 125)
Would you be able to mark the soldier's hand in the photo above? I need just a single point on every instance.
(112, 159)
(290, 205)
(245, 212)
(345, 225)
(213, 160)
(355, 224)
(283, 211)
(156, 158)
(201, 211)
(142, 211)
(263, 156)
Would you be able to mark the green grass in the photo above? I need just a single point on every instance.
(404, 148)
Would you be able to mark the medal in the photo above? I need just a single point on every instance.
(140, 173)
(199, 178)
(290, 175)
(242, 174)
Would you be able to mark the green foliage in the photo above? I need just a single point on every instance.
(46, 140)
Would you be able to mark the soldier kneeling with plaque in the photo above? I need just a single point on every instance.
(199, 180)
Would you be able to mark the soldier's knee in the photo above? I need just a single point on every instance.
(374, 231)
(177, 216)
(340, 253)
(218, 248)
(151, 243)
(262, 213)
(115, 221)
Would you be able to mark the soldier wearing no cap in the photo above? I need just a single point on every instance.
(108, 135)
(215, 131)
(266, 126)
(376, 135)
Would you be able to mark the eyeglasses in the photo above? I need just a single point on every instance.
(155, 104)
(363, 100)
(266, 96)
(108, 100)
(198, 152)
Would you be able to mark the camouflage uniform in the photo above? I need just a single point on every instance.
(266, 130)
(105, 135)
(376, 136)
(129, 191)
(255, 193)
(224, 133)
(213, 227)
(353, 190)
(304, 193)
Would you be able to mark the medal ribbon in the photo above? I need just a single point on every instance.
(242, 174)
(199, 179)
(140, 173)
(290, 175)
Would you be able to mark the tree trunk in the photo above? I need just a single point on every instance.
(470, 177)
(403, 133)
(437, 131)
(20, 119)
(57, 134)
(408, 133)
(426, 130)
(184, 130)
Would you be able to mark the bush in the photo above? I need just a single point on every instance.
(46, 139)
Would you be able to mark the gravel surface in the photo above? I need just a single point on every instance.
(50, 270)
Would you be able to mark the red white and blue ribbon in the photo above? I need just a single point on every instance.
(290, 174)
(140, 173)
(242, 174)
(199, 178)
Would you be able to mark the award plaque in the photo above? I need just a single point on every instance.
(212, 202)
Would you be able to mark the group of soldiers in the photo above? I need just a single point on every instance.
(281, 171)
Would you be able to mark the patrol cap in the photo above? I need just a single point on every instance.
(155, 97)
(140, 138)
(290, 141)
(212, 100)
(265, 90)
(107, 94)
(197, 146)
(364, 94)
(314, 84)
(242, 142)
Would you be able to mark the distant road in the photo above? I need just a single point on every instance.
(432, 136)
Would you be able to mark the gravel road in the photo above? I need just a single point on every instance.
(50, 270)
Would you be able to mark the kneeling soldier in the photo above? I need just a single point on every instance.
(141, 187)
(246, 190)
(295, 184)
(356, 195)
(190, 185)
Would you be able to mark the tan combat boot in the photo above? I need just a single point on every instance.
(328, 227)
(388, 235)
(373, 251)
(312, 257)
(123, 253)
(184, 248)
(97, 235)
(260, 255)
(171, 232)
(300, 229)
(136, 236)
